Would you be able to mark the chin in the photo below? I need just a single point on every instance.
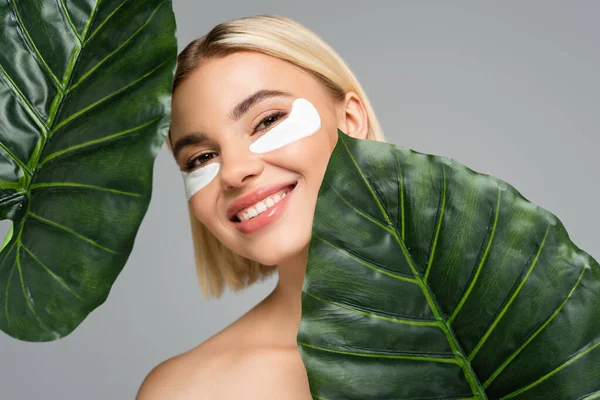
(282, 245)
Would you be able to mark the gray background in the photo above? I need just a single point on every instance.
(510, 90)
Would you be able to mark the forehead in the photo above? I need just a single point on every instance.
(214, 88)
(243, 69)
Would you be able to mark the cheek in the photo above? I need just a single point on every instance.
(203, 206)
(307, 156)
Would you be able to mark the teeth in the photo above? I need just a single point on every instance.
(262, 205)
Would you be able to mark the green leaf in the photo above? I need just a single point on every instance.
(428, 280)
(85, 88)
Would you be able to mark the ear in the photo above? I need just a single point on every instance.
(352, 116)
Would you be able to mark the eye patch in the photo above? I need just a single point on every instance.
(197, 179)
(302, 121)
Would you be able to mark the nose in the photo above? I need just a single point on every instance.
(239, 165)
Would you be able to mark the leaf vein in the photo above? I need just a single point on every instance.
(367, 183)
(574, 357)
(401, 193)
(26, 296)
(8, 281)
(499, 370)
(81, 185)
(481, 259)
(119, 48)
(29, 41)
(108, 17)
(32, 111)
(440, 218)
(15, 159)
(71, 231)
(358, 211)
(590, 396)
(52, 273)
(67, 16)
(367, 263)
(108, 97)
(424, 357)
(510, 301)
(109, 138)
(397, 319)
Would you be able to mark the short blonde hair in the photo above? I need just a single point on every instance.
(284, 38)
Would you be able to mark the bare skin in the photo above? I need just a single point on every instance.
(255, 357)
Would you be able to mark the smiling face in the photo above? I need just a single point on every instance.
(235, 153)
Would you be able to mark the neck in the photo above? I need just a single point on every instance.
(285, 301)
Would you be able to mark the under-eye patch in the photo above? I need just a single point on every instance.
(197, 179)
(302, 121)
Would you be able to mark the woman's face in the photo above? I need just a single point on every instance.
(225, 171)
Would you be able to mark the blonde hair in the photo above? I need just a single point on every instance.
(284, 38)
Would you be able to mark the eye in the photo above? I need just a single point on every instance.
(269, 119)
(191, 164)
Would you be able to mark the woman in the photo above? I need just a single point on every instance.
(256, 107)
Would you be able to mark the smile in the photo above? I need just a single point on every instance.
(263, 205)
(264, 212)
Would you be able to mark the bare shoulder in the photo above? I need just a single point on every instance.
(163, 381)
(184, 376)
(226, 367)
(276, 373)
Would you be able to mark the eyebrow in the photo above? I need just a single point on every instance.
(191, 139)
(196, 138)
(244, 105)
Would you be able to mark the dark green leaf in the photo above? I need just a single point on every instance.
(85, 88)
(428, 280)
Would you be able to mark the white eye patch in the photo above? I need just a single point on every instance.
(197, 179)
(302, 121)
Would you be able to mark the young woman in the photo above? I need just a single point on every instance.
(256, 107)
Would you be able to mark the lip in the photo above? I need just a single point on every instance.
(268, 217)
(254, 197)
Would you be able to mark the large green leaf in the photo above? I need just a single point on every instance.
(85, 88)
(428, 280)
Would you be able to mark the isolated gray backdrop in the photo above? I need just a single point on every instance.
(510, 90)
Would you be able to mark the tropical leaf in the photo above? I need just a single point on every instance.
(428, 280)
(85, 87)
